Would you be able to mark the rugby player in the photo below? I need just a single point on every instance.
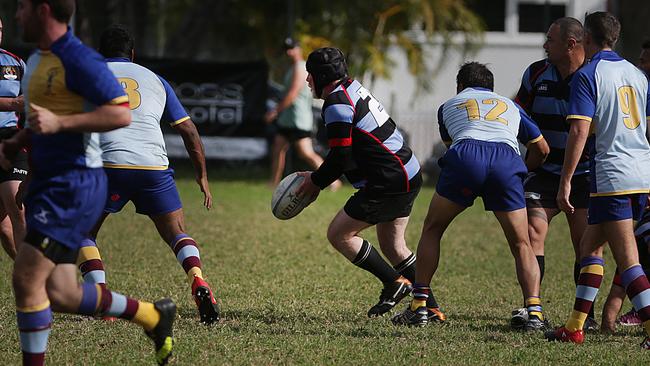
(367, 147)
(12, 218)
(135, 160)
(481, 129)
(544, 95)
(69, 93)
(609, 96)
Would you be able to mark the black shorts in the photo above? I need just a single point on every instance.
(20, 165)
(51, 249)
(294, 134)
(541, 189)
(376, 208)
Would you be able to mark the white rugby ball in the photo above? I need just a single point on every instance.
(285, 203)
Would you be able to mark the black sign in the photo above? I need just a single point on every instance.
(221, 99)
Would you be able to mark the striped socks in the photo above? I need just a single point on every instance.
(407, 269)
(369, 259)
(420, 295)
(187, 254)
(638, 290)
(34, 326)
(90, 263)
(591, 276)
(98, 300)
(534, 307)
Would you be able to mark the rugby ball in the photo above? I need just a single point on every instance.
(285, 203)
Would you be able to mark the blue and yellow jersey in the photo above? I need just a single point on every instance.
(12, 69)
(612, 94)
(480, 114)
(544, 95)
(152, 100)
(67, 79)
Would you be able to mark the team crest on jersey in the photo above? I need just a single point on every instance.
(9, 72)
(51, 74)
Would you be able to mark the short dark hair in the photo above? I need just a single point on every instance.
(603, 27)
(646, 44)
(570, 28)
(62, 10)
(474, 74)
(116, 41)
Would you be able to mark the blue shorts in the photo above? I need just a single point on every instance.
(616, 208)
(64, 207)
(153, 192)
(491, 170)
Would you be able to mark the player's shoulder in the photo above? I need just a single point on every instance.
(76, 55)
(10, 56)
(340, 95)
(538, 67)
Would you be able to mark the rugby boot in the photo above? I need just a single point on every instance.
(534, 323)
(631, 318)
(591, 325)
(564, 335)
(435, 315)
(391, 295)
(417, 318)
(519, 318)
(646, 343)
(162, 334)
(206, 303)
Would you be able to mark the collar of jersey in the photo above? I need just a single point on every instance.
(117, 59)
(606, 55)
(477, 88)
(61, 40)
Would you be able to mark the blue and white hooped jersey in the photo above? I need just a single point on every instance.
(613, 94)
(70, 78)
(480, 114)
(544, 95)
(12, 69)
(152, 100)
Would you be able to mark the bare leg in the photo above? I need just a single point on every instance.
(577, 226)
(441, 213)
(611, 308)
(538, 221)
(278, 158)
(343, 234)
(16, 214)
(392, 241)
(515, 228)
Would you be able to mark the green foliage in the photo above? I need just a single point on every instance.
(289, 298)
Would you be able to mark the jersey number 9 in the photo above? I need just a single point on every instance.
(629, 107)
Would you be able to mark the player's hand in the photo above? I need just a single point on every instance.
(308, 188)
(270, 116)
(562, 198)
(205, 188)
(42, 120)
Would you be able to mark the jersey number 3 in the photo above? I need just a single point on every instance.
(629, 107)
(131, 89)
(494, 115)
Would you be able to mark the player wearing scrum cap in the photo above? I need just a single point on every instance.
(367, 148)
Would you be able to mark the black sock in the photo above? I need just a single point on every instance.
(576, 274)
(540, 263)
(407, 269)
(370, 260)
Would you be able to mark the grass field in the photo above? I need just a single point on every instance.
(289, 298)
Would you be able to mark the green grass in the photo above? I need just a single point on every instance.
(289, 298)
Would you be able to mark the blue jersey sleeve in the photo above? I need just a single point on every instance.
(528, 130)
(582, 100)
(87, 74)
(444, 134)
(174, 112)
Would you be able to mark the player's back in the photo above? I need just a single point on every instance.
(620, 150)
(12, 69)
(141, 144)
(480, 114)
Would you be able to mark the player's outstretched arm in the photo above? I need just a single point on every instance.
(195, 149)
(578, 134)
(537, 153)
(104, 118)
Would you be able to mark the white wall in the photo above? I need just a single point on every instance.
(506, 53)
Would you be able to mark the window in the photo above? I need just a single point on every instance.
(493, 13)
(537, 17)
